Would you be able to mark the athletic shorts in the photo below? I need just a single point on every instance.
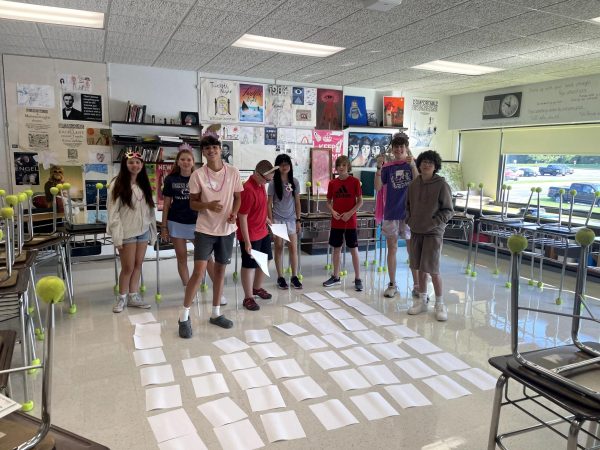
(262, 245)
(337, 236)
(144, 237)
(424, 252)
(206, 244)
(394, 229)
(181, 230)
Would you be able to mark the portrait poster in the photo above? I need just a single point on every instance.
(304, 107)
(70, 104)
(320, 170)
(363, 148)
(35, 95)
(219, 100)
(279, 105)
(393, 111)
(355, 111)
(27, 170)
(74, 83)
(98, 136)
(252, 103)
(227, 152)
(270, 136)
(333, 140)
(423, 124)
(329, 109)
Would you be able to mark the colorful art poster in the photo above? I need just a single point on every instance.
(219, 100)
(364, 148)
(270, 136)
(279, 105)
(27, 169)
(252, 103)
(98, 136)
(304, 114)
(162, 170)
(393, 111)
(355, 111)
(304, 136)
(74, 83)
(423, 124)
(35, 95)
(297, 95)
(91, 193)
(151, 171)
(329, 109)
(333, 140)
(320, 169)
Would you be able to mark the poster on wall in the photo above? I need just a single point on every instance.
(363, 148)
(252, 135)
(279, 105)
(91, 107)
(329, 109)
(355, 110)
(74, 83)
(333, 140)
(72, 137)
(36, 128)
(162, 170)
(252, 103)
(27, 170)
(71, 106)
(270, 136)
(227, 152)
(98, 136)
(56, 174)
(219, 100)
(35, 95)
(304, 106)
(91, 192)
(423, 125)
(320, 170)
(393, 111)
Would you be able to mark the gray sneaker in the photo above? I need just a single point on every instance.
(119, 304)
(185, 328)
(332, 281)
(136, 301)
(390, 291)
(358, 286)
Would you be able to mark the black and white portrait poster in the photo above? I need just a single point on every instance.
(27, 170)
(71, 106)
(423, 123)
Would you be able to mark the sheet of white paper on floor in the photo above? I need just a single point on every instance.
(339, 340)
(407, 395)
(360, 356)
(369, 337)
(379, 374)
(262, 259)
(310, 342)
(146, 317)
(339, 314)
(353, 325)
(265, 398)
(251, 378)
(416, 368)
(303, 388)
(337, 293)
(208, 385)
(282, 426)
(269, 350)
(390, 351)
(315, 296)
(327, 304)
(231, 345)
(149, 356)
(222, 411)
(373, 406)
(479, 378)
(351, 301)
(258, 336)
(145, 342)
(333, 414)
(299, 306)
(184, 443)
(446, 387)
(422, 346)
(157, 375)
(198, 366)
(322, 323)
(147, 329)
(448, 361)
(291, 329)
(280, 229)
(171, 425)
(163, 397)
(366, 310)
(402, 331)
(349, 379)
(239, 436)
(238, 361)
(380, 320)
(328, 360)
(285, 368)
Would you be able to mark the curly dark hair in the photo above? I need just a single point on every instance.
(283, 159)
(399, 139)
(430, 155)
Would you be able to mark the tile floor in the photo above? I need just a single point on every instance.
(97, 390)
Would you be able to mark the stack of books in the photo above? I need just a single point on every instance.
(175, 139)
(135, 113)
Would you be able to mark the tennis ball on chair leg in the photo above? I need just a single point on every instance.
(158, 298)
(203, 287)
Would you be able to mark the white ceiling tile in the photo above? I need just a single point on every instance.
(208, 35)
(577, 9)
(168, 11)
(181, 61)
(345, 37)
(284, 29)
(192, 48)
(78, 55)
(121, 53)
(134, 61)
(216, 18)
(25, 51)
(478, 13)
(554, 53)
(254, 7)
(56, 44)
(87, 5)
(573, 33)
(143, 41)
(216, 69)
(71, 33)
(18, 28)
(9, 40)
(531, 23)
(242, 58)
(589, 43)
(141, 25)
(311, 12)
(533, 4)
(280, 64)
(521, 45)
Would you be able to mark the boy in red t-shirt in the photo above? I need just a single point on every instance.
(344, 198)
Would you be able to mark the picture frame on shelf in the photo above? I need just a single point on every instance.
(189, 118)
(320, 170)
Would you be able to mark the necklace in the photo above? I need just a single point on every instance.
(211, 185)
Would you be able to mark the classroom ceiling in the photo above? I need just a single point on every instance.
(532, 40)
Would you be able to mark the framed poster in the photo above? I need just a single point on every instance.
(219, 100)
(320, 170)
(393, 111)
(252, 103)
(424, 120)
(279, 105)
(363, 148)
(329, 109)
(355, 110)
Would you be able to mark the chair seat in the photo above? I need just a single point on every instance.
(16, 432)
(21, 285)
(42, 242)
(25, 260)
(7, 346)
(9, 282)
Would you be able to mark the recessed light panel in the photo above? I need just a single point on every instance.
(458, 68)
(51, 14)
(284, 46)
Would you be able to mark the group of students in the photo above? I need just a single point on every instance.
(211, 206)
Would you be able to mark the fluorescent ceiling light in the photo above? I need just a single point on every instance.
(50, 14)
(453, 67)
(596, 19)
(284, 46)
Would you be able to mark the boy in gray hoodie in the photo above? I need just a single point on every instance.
(428, 209)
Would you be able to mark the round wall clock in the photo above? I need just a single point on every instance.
(509, 105)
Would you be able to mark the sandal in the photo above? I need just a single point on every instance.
(262, 293)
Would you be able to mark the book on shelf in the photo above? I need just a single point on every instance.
(7, 405)
(170, 138)
(135, 113)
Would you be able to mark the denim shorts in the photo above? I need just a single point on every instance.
(145, 237)
(181, 230)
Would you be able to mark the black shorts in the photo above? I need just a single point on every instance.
(338, 235)
(205, 244)
(262, 245)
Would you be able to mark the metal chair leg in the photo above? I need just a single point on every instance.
(496, 407)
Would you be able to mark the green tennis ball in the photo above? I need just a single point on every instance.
(22, 196)
(538, 189)
(480, 185)
(503, 186)
(2, 192)
(308, 184)
(67, 186)
(471, 185)
(508, 284)
(60, 186)
(531, 282)
(54, 190)
(318, 183)
(558, 301)
(12, 200)
(540, 284)
(158, 298)
(50, 289)
(597, 194)
(7, 212)
(28, 192)
(508, 188)
(561, 191)
(517, 243)
(99, 185)
(585, 237)
(573, 192)
(300, 277)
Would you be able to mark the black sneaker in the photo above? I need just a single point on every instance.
(185, 328)
(281, 283)
(295, 282)
(358, 284)
(333, 281)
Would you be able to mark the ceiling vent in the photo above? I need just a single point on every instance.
(381, 5)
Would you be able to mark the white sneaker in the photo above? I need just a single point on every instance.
(119, 304)
(135, 301)
(223, 300)
(415, 294)
(390, 291)
(419, 306)
(441, 313)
